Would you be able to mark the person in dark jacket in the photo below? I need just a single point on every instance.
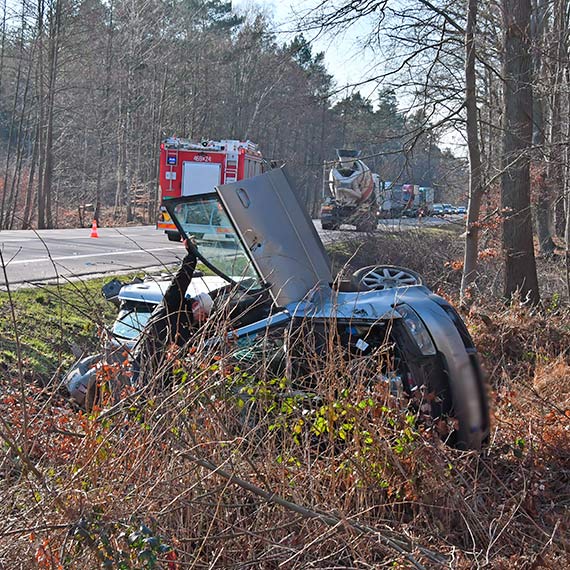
(171, 323)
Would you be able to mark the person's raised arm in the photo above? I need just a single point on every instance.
(174, 295)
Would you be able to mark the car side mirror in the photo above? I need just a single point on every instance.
(111, 291)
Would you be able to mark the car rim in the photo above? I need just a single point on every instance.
(388, 277)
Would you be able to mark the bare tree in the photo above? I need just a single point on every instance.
(130, 72)
(475, 181)
(559, 53)
(543, 200)
(520, 266)
(49, 25)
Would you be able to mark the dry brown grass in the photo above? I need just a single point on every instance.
(219, 470)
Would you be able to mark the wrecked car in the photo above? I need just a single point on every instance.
(285, 273)
(287, 307)
(135, 302)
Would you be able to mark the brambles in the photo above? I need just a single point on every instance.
(354, 451)
(358, 461)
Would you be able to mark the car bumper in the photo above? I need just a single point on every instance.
(461, 364)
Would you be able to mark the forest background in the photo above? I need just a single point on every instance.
(89, 89)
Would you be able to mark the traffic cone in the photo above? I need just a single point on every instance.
(94, 229)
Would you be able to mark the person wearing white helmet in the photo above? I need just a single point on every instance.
(172, 322)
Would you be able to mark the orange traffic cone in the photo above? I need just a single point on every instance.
(94, 229)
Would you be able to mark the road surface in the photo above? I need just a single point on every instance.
(47, 255)
(395, 224)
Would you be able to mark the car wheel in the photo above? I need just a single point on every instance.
(367, 225)
(380, 277)
(173, 236)
(425, 383)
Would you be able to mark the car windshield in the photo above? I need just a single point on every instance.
(204, 219)
(131, 322)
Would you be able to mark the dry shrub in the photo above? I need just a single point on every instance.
(436, 254)
(230, 466)
(552, 381)
(514, 341)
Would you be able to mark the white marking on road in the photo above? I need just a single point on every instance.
(18, 240)
(52, 238)
(108, 254)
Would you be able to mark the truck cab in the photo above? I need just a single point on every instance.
(187, 167)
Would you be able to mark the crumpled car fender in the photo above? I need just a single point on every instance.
(80, 375)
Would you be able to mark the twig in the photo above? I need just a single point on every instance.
(27, 530)
(402, 547)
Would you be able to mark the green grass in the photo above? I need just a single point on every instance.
(51, 323)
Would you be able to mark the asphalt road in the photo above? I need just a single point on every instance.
(47, 255)
(395, 225)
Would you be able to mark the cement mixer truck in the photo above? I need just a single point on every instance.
(352, 196)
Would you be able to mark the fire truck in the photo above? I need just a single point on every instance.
(189, 167)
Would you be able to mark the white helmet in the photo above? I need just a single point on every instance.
(205, 302)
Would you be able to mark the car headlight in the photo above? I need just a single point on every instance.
(417, 329)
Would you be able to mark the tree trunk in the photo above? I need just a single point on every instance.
(49, 150)
(2, 48)
(158, 115)
(4, 206)
(40, 200)
(104, 120)
(475, 186)
(3, 41)
(567, 176)
(520, 265)
(29, 201)
(120, 171)
(555, 171)
(543, 199)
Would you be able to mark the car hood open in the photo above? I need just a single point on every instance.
(278, 234)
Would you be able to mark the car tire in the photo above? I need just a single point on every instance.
(173, 236)
(380, 277)
(368, 224)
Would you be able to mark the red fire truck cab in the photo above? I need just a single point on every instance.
(189, 167)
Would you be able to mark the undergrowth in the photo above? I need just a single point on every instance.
(226, 466)
(54, 325)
